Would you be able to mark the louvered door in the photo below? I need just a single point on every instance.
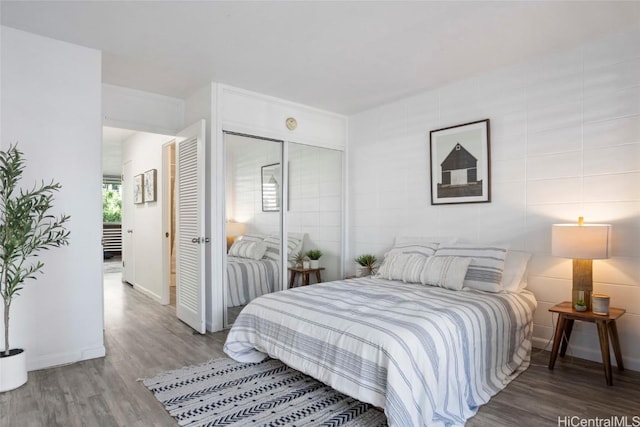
(190, 233)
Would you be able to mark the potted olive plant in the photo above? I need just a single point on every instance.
(314, 258)
(365, 265)
(26, 228)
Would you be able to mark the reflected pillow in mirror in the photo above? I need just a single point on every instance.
(248, 249)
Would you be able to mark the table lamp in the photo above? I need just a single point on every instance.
(583, 243)
(234, 229)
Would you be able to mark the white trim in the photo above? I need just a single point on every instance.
(53, 360)
(147, 292)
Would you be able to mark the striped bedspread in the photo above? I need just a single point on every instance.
(248, 279)
(427, 355)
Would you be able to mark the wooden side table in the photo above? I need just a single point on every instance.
(606, 329)
(304, 272)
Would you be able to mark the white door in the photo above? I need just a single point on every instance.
(190, 237)
(128, 260)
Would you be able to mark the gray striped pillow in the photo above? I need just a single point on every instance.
(273, 247)
(445, 271)
(401, 266)
(248, 249)
(486, 266)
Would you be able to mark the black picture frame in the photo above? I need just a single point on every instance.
(460, 160)
(271, 187)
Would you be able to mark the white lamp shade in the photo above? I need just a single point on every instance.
(235, 229)
(588, 241)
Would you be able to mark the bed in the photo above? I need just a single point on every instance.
(253, 266)
(426, 355)
(248, 279)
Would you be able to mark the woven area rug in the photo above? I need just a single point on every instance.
(223, 392)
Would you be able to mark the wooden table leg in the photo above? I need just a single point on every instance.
(603, 334)
(305, 278)
(557, 338)
(292, 279)
(567, 334)
(615, 342)
(318, 277)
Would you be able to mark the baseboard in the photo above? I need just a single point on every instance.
(52, 360)
(592, 354)
(148, 293)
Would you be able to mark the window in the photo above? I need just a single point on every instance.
(111, 200)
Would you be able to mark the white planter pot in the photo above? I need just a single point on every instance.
(314, 263)
(305, 264)
(13, 370)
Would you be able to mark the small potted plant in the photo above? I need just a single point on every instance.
(300, 260)
(26, 227)
(366, 265)
(580, 306)
(314, 258)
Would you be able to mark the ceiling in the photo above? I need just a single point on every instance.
(342, 56)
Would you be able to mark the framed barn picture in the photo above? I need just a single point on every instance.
(460, 164)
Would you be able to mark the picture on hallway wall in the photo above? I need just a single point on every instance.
(460, 164)
(150, 185)
(138, 189)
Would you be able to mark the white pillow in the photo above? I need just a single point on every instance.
(298, 248)
(514, 277)
(486, 266)
(420, 248)
(445, 271)
(273, 247)
(248, 249)
(424, 239)
(400, 266)
(252, 237)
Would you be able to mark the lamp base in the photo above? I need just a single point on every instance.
(582, 282)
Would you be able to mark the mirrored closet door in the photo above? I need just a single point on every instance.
(253, 201)
(254, 198)
(315, 213)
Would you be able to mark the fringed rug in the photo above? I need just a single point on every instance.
(223, 392)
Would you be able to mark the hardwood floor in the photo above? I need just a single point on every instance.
(144, 338)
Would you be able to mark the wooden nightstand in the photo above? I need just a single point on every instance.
(294, 271)
(606, 328)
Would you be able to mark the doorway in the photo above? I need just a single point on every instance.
(169, 246)
(136, 158)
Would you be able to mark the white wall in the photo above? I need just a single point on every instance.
(51, 105)
(144, 111)
(144, 151)
(565, 141)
